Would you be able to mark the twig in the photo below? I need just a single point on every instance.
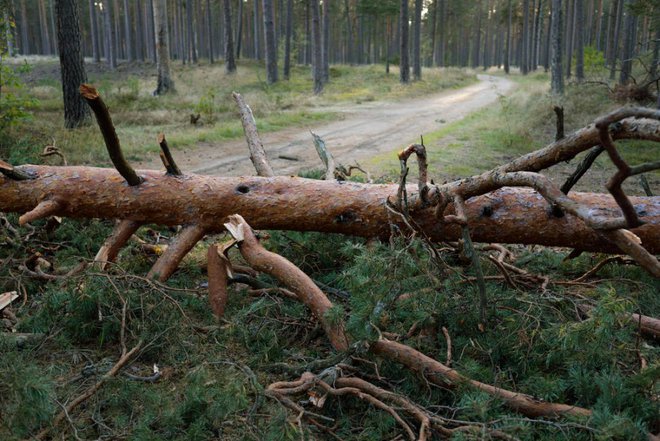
(104, 121)
(445, 332)
(645, 185)
(166, 156)
(582, 168)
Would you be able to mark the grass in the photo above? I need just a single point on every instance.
(520, 123)
(203, 89)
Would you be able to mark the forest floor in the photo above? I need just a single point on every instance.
(362, 131)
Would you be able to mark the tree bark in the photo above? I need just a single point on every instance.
(628, 45)
(317, 58)
(72, 65)
(230, 61)
(579, 40)
(287, 40)
(326, 41)
(270, 43)
(165, 83)
(283, 203)
(130, 51)
(404, 63)
(557, 81)
(417, 49)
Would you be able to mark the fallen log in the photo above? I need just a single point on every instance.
(507, 215)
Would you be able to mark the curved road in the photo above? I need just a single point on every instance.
(365, 130)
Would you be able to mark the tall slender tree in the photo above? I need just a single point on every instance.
(110, 37)
(557, 73)
(165, 83)
(579, 40)
(46, 47)
(404, 61)
(230, 61)
(271, 43)
(130, 50)
(627, 52)
(325, 52)
(417, 49)
(209, 30)
(72, 65)
(317, 58)
(287, 39)
(25, 40)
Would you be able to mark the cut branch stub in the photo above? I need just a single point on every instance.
(120, 235)
(218, 273)
(104, 121)
(180, 246)
(290, 275)
(256, 147)
(420, 151)
(325, 155)
(13, 173)
(166, 156)
(44, 209)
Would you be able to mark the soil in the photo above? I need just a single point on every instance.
(362, 131)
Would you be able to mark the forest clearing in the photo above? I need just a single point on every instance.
(301, 240)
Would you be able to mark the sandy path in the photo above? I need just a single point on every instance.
(364, 130)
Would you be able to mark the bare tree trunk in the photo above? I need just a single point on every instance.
(349, 33)
(151, 31)
(191, 48)
(404, 63)
(317, 58)
(507, 50)
(570, 33)
(255, 22)
(139, 32)
(239, 32)
(96, 49)
(72, 65)
(579, 40)
(476, 41)
(524, 60)
(628, 49)
(325, 55)
(25, 41)
(130, 53)
(209, 30)
(46, 47)
(270, 42)
(165, 83)
(230, 62)
(557, 82)
(417, 35)
(111, 54)
(616, 32)
(287, 39)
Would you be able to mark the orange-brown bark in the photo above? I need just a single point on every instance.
(290, 203)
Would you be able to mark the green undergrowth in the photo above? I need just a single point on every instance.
(203, 90)
(213, 374)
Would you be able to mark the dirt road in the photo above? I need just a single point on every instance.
(364, 130)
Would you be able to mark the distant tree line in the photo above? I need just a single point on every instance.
(465, 33)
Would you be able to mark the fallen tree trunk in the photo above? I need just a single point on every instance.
(508, 215)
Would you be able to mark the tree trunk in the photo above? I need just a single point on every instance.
(628, 49)
(570, 31)
(230, 62)
(96, 49)
(46, 48)
(139, 32)
(239, 30)
(325, 55)
(557, 81)
(417, 35)
(349, 33)
(209, 30)
(579, 40)
(161, 26)
(432, 26)
(404, 63)
(507, 50)
(524, 61)
(317, 58)
(191, 48)
(25, 41)
(111, 54)
(72, 65)
(270, 42)
(284, 203)
(616, 32)
(255, 22)
(130, 53)
(287, 39)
